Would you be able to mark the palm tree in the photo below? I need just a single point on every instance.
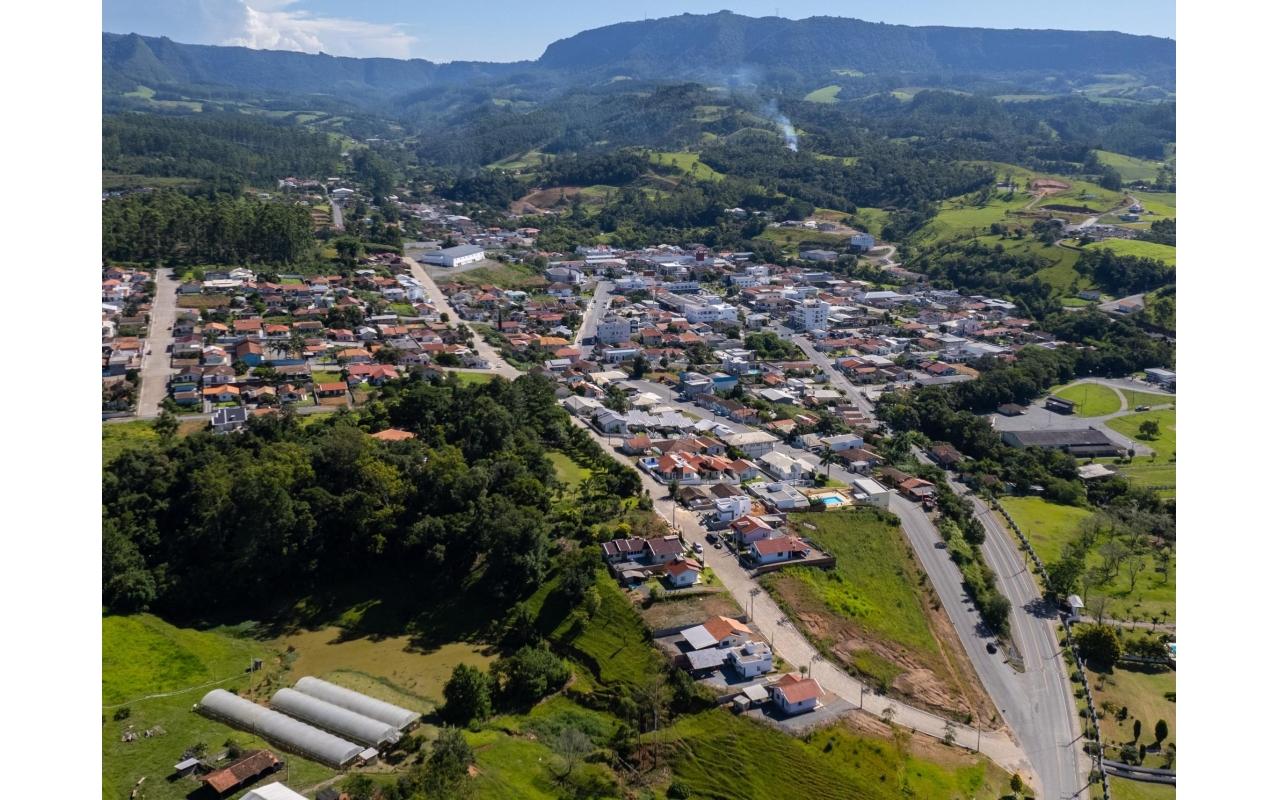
(826, 458)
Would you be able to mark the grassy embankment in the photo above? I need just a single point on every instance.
(871, 612)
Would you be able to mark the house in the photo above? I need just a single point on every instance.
(862, 242)
(663, 549)
(622, 549)
(917, 489)
(945, 454)
(753, 444)
(324, 390)
(795, 695)
(784, 467)
(783, 548)
(278, 791)
(392, 435)
(728, 509)
(751, 659)
(247, 769)
(750, 529)
(682, 573)
(221, 394)
(717, 631)
(870, 491)
(249, 352)
(227, 420)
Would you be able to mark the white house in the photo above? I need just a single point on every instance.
(752, 443)
(613, 330)
(783, 467)
(682, 573)
(751, 659)
(869, 491)
(845, 441)
(728, 509)
(794, 695)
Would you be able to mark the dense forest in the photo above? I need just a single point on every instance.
(251, 150)
(173, 227)
(1124, 275)
(212, 522)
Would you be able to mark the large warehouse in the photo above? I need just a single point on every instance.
(455, 256)
(287, 732)
(335, 719)
(401, 718)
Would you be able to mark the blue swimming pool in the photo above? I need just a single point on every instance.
(831, 501)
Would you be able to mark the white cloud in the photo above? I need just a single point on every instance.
(277, 25)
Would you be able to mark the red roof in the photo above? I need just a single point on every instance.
(782, 544)
(798, 690)
(247, 768)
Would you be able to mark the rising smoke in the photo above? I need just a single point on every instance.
(744, 83)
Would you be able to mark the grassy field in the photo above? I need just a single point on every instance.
(1091, 399)
(504, 276)
(475, 377)
(1136, 398)
(688, 163)
(1143, 694)
(1130, 168)
(1159, 469)
(718, 755)
(1162, 204)
(1050, 527)
(120, 436)
(827, 94)
(1135, 247)
(141, 656)
(869, 612)
(567, 470)
(1122, 789)
(789, 239)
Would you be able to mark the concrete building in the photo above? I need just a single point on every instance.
(811, 315)
(613, 330)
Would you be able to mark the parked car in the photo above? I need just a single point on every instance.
(1144, 408)
(711, 537)
(697, 548)
(991, 647)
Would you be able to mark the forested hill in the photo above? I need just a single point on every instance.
(129, 60)
(692, 44)
(717, 48)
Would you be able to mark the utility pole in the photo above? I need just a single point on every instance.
(754, 591)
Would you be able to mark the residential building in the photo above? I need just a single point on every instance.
(810, 315)
(795, 695)
(782, 548)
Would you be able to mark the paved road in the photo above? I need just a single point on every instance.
(155, 364)
(599, 302)
(1044, 719)
(835, 376)
(338, 224)
(483, 348)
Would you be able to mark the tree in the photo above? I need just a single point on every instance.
(1133, 568)
(578, 573)
(571, 745)
(1100, 646)
(451, 758)
(467, 695)
(359, 787)
(1149, 429)
(1064, 574)
(529, 675)
(639, 367)
(1015, 785)
(1162, 732)
(166, 426)
(827, 458)
(1137, 729)
(672, 488)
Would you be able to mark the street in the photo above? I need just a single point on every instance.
(599, 302)
(1045, 719)
(155, 363)
(482, 348)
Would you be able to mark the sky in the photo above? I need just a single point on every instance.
(513, 30)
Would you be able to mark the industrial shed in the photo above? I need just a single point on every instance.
(287, 732)
(401, 718)
(335, 719)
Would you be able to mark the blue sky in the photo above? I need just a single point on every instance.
(511, 30)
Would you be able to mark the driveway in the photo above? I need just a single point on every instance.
(155, 363)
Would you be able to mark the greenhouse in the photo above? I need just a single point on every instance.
(287, 732)
(401, 718)
(336, 719)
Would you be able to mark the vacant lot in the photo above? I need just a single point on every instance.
(1134, 247)
(873, 611)
(723, 756)
(1091, 399)
(120, 436)
(1136, 398)
(142, 656)
(1138, 695)
(568, 471)
(504, 276)
(1122, 789)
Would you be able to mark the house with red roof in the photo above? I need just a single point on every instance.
(795, 695)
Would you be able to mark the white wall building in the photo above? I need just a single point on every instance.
(811, 315)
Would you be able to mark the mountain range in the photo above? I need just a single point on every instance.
(723, 49)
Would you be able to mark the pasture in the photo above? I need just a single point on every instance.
(1141, 249)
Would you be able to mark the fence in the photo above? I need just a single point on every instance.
(1074, 648)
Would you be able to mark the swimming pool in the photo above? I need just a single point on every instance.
(831, 501)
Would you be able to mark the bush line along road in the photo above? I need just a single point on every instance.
(1036, 704)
